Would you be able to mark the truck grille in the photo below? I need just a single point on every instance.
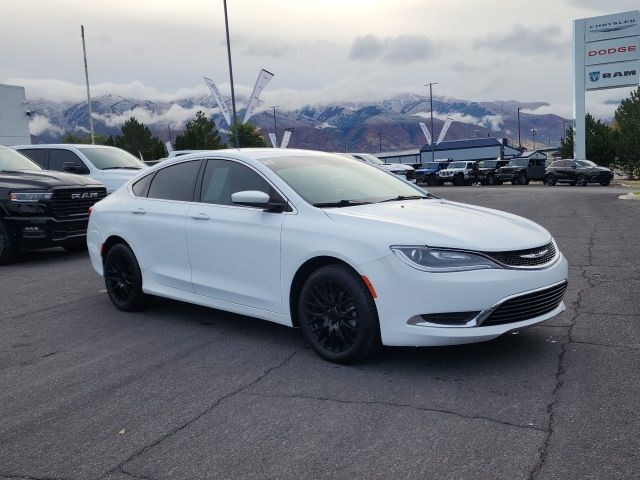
(527, 306)
(533, 257)
(75, 202)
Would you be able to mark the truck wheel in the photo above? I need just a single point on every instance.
(490, 180)
(522, 179)
(513, 182)
(430, 181)
(605, 183)
(550, 180)
(8, 248)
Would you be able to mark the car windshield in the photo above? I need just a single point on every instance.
(12, 161)
(586, 163)
(488, 164)
(430, 165)
(336, 181)
(457, 165)
(107, 158)
(367, 157)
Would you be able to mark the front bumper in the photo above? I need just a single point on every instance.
(405, 293)
(45, 232)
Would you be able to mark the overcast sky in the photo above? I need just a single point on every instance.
(320, 51)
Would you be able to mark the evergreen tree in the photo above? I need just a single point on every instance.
(200, 134)
(85, 139)
(599, 142)
(137, 139)
(245, 135)
(627, 134)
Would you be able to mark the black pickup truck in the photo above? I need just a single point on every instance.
(40, 208)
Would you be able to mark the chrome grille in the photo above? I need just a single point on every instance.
(532, 257)
(527, 306)
(75, 202)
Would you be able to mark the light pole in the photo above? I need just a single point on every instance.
(86, 76)
(233, 93)
(275, 123)
(433, 134)
(533, 134)
(519, 139)
(380, 140)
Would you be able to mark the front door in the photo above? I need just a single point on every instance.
(234, 250)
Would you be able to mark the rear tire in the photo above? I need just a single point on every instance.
(522, 179)
(581, 181)
(123, 279)
(8, 247)
(338, 316)
(605, 183)
(550, 180)
(439, 182)
(430, 181)
(491, 180)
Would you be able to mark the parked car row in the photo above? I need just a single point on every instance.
(517, 171)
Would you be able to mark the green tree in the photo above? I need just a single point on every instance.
(137, 139)
(246, 135)
(200, 134)
(627, 134)
(85, 139)
(599, 142)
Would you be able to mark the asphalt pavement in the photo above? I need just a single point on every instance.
(184, 392)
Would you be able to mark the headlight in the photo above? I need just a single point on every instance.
(441, 260)
(30, 197)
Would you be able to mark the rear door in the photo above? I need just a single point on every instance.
(155, 222)
(235, 250)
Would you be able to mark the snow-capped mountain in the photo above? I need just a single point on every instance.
(392, 122)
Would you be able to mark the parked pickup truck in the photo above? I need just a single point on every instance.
(488, 171)
(520, 171)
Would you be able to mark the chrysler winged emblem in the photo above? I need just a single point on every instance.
(539, 254)
(594, 76)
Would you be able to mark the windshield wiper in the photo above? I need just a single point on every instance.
(122, 168)
(340, 203)
(406, 197)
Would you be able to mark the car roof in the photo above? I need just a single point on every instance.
(62, 145)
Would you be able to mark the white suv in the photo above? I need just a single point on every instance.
(459, 173)
(108, 165)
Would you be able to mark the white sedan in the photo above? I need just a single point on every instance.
(350, 254)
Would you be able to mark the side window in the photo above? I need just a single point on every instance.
(532, 163)
(38, 155)
(58, 157)
(571, 164)
(141, 187)
(175, 182)
(224, 177)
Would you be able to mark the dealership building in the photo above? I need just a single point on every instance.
(467, 149)
(14, 116)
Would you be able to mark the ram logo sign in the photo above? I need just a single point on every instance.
(620, 74)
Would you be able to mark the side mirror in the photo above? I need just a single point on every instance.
(573, 166)
(255, 198)
(73, 167)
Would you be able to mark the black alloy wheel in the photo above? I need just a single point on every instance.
(581, 181)
(513, 182)
(8, 247)
(338, 316)
(123, 279)
(550, 180)
(522, 179)
(491, 180)
(605, 183)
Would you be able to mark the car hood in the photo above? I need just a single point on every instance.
(45, 179)
(440, 223)
(396, 166)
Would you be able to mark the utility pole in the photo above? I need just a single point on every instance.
(86, 77)
(380, 139)
(275, 123)
(533, 133)
(433, 134)
(519, 139)
(233, 93)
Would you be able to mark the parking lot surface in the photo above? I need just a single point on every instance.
(183, 392)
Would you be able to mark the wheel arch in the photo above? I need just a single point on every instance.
(110, 242)
(301, 275)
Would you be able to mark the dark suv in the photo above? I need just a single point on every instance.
(488, 171)
(428, 173)
(520, 171)
(40, 208)
(577, 172)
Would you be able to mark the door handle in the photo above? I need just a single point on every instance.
(200, 216)
(138, 211)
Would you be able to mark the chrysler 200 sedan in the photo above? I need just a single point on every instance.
(350, 254)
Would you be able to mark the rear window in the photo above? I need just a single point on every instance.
(176, 182)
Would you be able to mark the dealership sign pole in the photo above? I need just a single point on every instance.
(606, 54)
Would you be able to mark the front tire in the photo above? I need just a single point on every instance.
(123, 279)
(522, 179)
(8, 247)
(605, 183)
(550, 180)
(338, 315)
